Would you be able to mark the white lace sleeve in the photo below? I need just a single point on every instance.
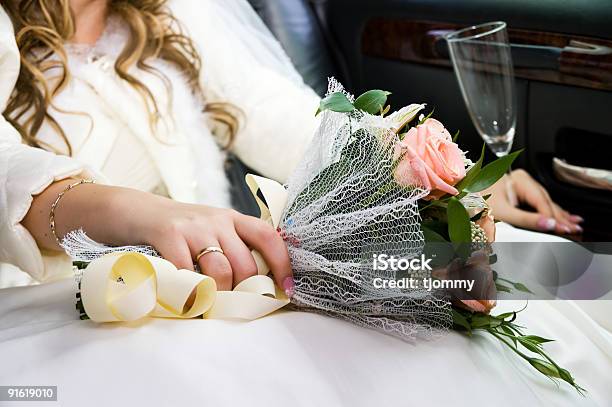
(242, 63)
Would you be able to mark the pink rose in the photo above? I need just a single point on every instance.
(431, 159)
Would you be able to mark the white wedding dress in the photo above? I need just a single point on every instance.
(288, 358)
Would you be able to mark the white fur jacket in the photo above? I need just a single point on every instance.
(242, 65)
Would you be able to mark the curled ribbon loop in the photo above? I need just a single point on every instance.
(127, 286)
(271, 197)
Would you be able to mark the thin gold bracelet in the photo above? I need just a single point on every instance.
(61, 194)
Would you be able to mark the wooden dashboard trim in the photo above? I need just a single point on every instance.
(416, 41)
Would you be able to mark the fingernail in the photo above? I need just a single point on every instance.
(576, 218)
(289, 286)
(545, 223)
(578, 229)
(566, 229)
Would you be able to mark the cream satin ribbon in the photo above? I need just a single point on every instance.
(127, 286)
(271, 197)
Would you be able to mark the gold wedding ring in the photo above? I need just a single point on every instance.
(210, 249)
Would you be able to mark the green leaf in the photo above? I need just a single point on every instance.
(491, 173)
(336, 102)
(531, 346)
(509, 332)
(494, 322)
(483, 320)
(431, 236)
(545, 367)
(456, 136)
(538, 339)
(515, 328)
(458, 221)
(80, 264)
(460, 320)
(372, 101)
(504, 315)
(502, 288)
(522, 287)
(438, 226)
(566, 375)
(472, 172)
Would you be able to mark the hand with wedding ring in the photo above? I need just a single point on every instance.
(219, 241)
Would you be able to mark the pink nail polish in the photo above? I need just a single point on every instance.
(546, 224)
(566, 229)
(578, 229)
(576, 218)
(289, 286)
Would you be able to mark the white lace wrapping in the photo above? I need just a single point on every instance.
(343, 208)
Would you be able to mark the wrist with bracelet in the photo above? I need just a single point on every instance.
(56, 202)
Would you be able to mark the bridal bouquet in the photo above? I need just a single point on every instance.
(386, 228)
(377, 186)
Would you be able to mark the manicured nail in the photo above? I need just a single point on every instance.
(578, 229)
(566, 229)
(576, 218)
(289, 286)
(546, 224)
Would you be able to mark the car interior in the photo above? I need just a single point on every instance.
(562, 56)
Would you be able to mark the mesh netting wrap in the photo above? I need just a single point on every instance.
(81, 247)
(344, 207)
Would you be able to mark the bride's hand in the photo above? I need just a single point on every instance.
(547, 215)
(178, 231)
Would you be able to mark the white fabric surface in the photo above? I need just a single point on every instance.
(288, 358)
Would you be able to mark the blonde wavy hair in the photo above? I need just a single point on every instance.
(43, 26)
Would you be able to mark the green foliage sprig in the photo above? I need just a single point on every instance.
(503, 328)
(372, 102)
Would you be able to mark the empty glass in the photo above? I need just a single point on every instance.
(482, 61)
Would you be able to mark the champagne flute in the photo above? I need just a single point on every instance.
(482, 61)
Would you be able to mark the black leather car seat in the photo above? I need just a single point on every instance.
(295, 25)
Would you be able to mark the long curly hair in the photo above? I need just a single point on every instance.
(43, 26)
